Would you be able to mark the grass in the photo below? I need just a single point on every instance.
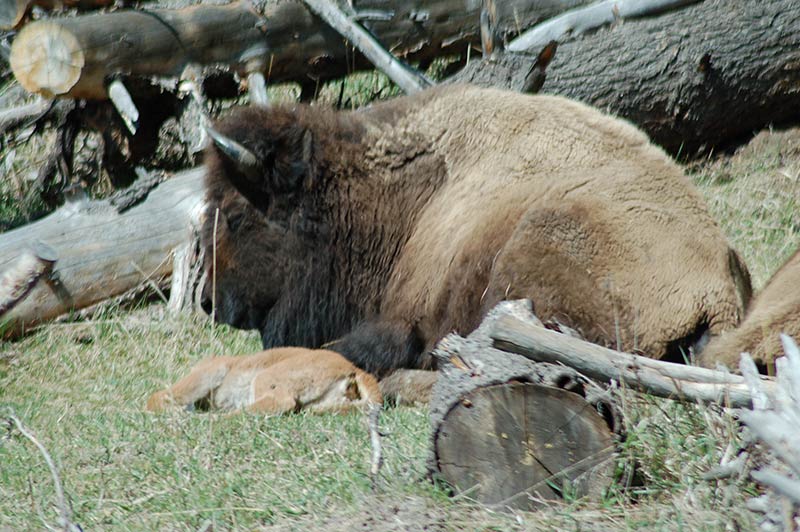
(80, 388)
(755, 195)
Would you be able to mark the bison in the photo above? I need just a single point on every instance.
(775, 310)
(386, 228)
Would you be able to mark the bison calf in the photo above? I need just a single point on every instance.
(274, 381)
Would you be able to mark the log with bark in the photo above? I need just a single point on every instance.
(695, 78)
(514, 433)
(100, 249)
(75, 56)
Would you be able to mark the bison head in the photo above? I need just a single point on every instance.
(257, 167)
(242, 261)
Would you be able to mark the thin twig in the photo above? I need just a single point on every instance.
(65, 521)
(376, 461)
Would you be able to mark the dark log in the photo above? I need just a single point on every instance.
(513, 433)
(103, 251)
(284, 39)
(696, 78)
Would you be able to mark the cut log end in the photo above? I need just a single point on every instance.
(47, 59)
(516, 445)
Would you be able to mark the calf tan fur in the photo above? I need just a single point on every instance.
(274, 381)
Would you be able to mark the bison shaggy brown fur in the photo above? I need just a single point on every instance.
(415, 216)
(775, 310)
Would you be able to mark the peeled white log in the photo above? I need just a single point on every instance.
(102, 252)
(663, 379)
(583, 19)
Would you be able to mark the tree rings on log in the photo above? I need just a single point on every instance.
(48, 59)
(519, 444)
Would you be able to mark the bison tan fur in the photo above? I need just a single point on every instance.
(421, 213)
(775, 310)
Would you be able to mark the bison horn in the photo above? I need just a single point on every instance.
(245, 160)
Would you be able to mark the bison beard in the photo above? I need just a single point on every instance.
(428, 210)
(317, 311)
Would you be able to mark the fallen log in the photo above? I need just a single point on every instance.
(512, 433)
(679, 76)
(75, 56)
(102, 250)
(663, 379)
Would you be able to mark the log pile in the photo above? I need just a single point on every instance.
(521, 414)
(514, 433)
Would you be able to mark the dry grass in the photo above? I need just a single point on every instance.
(755, 195)
(80, 387)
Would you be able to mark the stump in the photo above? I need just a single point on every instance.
(514, 433)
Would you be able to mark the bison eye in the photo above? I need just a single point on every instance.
(234, 221)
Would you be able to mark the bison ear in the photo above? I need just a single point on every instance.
(291, 166)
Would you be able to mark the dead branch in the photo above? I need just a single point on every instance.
(406, 78)
(658, 378)
(65, 515)
(774, 421)
(11, 118)
(376, 460)
(578, 21)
